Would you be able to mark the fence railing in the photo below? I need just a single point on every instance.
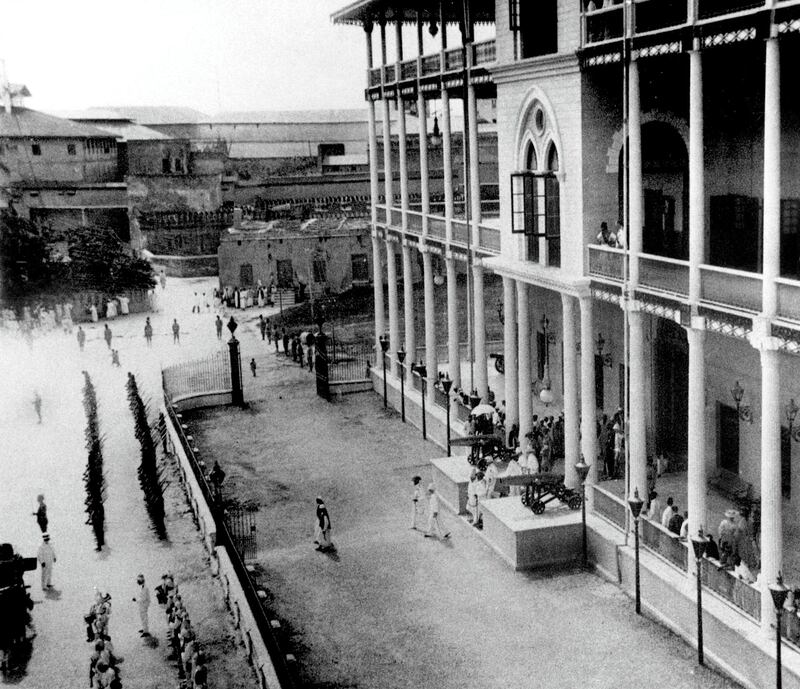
(665, 543)
(437, 227)
(210, 374)
(733, 589)
(225, 539)
(349, 361)
(454, 60)
(610, 506)
(484, 52)
(431, 64)
(489, 238)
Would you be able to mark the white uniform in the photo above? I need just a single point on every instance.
(433, 516)
(143, 602)
(514, 469)
(415, 498)
(47, 558)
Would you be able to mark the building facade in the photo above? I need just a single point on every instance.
(674, 125)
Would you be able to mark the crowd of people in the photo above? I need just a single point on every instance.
(615, 239)
(104, 670)
(186, 651)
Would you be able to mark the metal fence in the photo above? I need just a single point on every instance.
(349, 361)
(211, 374)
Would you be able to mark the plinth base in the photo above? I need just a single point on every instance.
(451, 476)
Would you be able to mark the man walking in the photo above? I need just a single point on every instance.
(253, 366)
(142, 599)
(37, 404)
(148, 332)
(218, 325)
(322, 528)
(47, 558)
(285, 342)
(107, 335)
(176, 332)
(262, 326)
(81, 338)
(415, 498)
(433, 515)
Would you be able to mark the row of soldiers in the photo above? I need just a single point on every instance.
(104, 670)
(186, 650)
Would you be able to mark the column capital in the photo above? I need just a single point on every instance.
(477, 262)
(630, 305)
(583, 289)
(390, 238)
(698, 323)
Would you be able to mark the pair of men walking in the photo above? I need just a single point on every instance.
(435, 529)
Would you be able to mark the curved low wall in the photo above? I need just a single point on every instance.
(214, 398)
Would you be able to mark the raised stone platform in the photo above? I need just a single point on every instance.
(451, 476)
(528, 541)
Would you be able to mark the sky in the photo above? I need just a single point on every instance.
(211, 55)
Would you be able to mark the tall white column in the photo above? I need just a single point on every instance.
(510, 353)
(387, 158)
(377, 263)
(431, 360)
(403, 160)
(524, 363)
(588, 400)
(696, 469)
(697, 194)
(408, 305)
(394, 329)
(570, 364)
(635, 197)
(637, 439)
(772, 175)
(474, 167)
(424, 189)
(771, 507)
(377, 289)
(453, 349)
(447, 163)
(479, 325)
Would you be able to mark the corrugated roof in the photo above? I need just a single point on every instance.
(159, 114)
(25, 123)
(128, 131)
(291, 116)
(278, 149)
(373, 10)
(90, 115)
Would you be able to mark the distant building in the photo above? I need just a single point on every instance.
(320, 256)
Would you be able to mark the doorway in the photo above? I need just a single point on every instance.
(728, 445)
(671, 389)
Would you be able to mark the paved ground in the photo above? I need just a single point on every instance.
(51, 458)
(391, 608)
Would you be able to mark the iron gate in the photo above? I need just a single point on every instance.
(321, 365)
(241, 523)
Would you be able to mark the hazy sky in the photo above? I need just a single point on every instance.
(211, 55)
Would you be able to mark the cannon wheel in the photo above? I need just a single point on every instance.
(574, 502)
(524, 499)
(538, 507)
(500, 363)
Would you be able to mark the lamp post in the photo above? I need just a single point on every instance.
(424, 381)
(583, 471)
(384, 348)
(446, 385)
(699, 545)
(546, 395)
(237, 393)
(779, 593)
(636, 503)
(401, 357)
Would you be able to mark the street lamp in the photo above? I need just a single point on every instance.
(636, 504)
(699, 545)
(583, 471)
(446, 385)
(401, 357)
(384, 348)
(779, 593)
(546, 395)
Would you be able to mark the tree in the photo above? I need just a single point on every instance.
(25, 266)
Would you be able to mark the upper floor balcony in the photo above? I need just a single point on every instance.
(430, 69)
(605, 21)
(721, 288)
(488, 229)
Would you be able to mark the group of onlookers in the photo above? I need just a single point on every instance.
(104, 672)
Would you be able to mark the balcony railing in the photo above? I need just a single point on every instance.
(431, 64)
(389, 73)
(489, 238)
(408, 69)
(788, 298)
(437, 227)
(715, 8)
(454, 60)
(730, 287)
(664, 274)
(609, 506)
(484, 53)
(604, 24)
(414, 221)
(375, 76)
(606, 262)
(382, 214)
(651, 16)
(744, 596)
(395, 218)
(665, 543)
(460, 232)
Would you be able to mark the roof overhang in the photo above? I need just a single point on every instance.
(408, 11)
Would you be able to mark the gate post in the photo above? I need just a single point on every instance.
(237, 393)
(321, 365)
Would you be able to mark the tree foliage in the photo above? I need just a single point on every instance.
(37, 263)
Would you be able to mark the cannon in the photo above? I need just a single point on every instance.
(541, 489)
(483, 449)
(15, 602)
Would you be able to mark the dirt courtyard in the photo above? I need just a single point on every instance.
(391, 608)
